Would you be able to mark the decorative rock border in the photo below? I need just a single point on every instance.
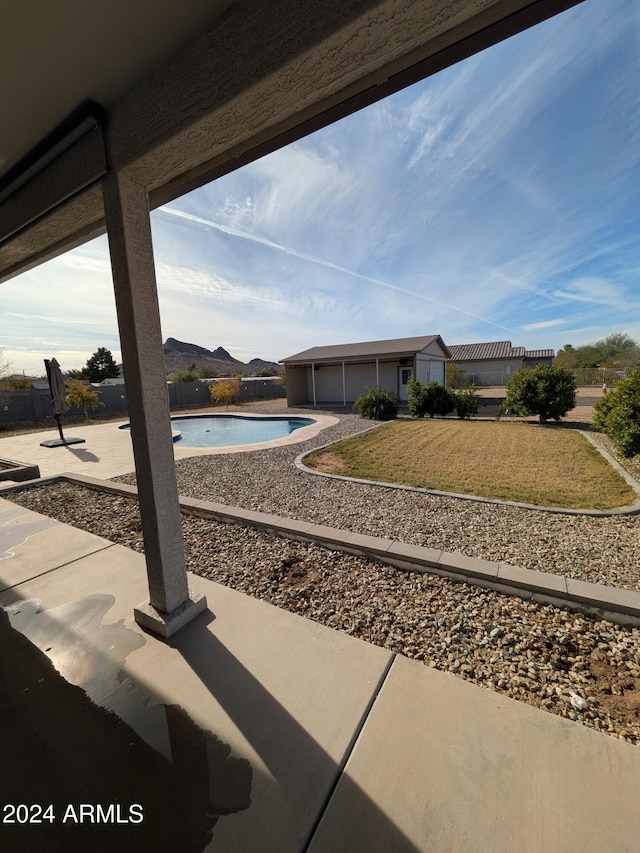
(629, 509)
(611, 603)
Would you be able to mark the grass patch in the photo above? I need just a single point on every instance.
(547, 466)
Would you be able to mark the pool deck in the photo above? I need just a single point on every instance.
(108, 452)
(303, 738)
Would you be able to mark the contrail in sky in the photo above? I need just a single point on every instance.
(243, 235)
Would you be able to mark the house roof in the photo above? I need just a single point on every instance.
(367, 349)
(485, 351)
(540, 353)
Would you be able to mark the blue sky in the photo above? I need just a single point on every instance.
(496, 200)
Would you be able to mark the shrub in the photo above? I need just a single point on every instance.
(415, 398)
(225, 391)
(549, 392)
(188, 375)
(467, 404)
(378, 405)
(617, 415)
(431, 399)
(456, 377)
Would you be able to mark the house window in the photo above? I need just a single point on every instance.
(405, 375)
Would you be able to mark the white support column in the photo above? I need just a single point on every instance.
(127, 217)
(377, 373)
(313, 381)
(344, 388)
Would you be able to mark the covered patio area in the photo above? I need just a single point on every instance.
(256, 729)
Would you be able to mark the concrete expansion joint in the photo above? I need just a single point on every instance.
(351, 747)
(611, 603)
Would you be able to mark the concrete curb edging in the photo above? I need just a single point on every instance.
(17, 471)
(629, 509)
(621, 606)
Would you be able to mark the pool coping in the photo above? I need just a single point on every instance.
(613, 604)
(309, 432)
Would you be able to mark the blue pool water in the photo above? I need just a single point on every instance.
(230, 430)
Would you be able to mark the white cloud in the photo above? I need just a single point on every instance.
(544, 324)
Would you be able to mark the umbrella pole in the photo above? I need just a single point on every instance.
(57, 417)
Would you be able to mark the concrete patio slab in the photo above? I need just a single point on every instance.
(31, 544)
(283, 734)
(455, 767)
(284, 695)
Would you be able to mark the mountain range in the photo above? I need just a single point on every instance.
(180, 356)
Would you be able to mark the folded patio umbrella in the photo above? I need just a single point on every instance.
(60, 405)
(58, 391)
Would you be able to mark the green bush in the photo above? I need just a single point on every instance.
(378, 405)
(549, 392)
(188, 375)
(431, 399)
(617, 415)
(467, 404)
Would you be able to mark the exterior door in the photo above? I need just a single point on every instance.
(404, 375)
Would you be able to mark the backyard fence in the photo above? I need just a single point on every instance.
(599, 376)
(34, 404)
(585, 376)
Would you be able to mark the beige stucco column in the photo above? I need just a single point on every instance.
(129, 229)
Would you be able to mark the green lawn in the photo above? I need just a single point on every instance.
(544, 465)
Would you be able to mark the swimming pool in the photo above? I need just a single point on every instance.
(232, 430)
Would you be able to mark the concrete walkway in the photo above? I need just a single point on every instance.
(298, 737)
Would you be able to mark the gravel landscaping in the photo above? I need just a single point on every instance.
(600, 550)
(569, 664)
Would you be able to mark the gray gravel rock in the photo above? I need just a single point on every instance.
(599, 550)
(569, 664)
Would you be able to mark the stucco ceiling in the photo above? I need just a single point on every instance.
(56, 53)
(194, 88)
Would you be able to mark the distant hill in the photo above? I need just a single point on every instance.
(179, 356)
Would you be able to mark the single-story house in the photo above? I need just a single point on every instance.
(340, 373)
(495, 362)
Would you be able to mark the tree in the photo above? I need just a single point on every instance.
(617, 415)
(549, 392)
(617, 350)
(74, 374)
(15, 383)
(100, 366)
(567, 357)
(188, 375)
(5, 364)
(456, 377)
(224, 392)
(80, 396)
